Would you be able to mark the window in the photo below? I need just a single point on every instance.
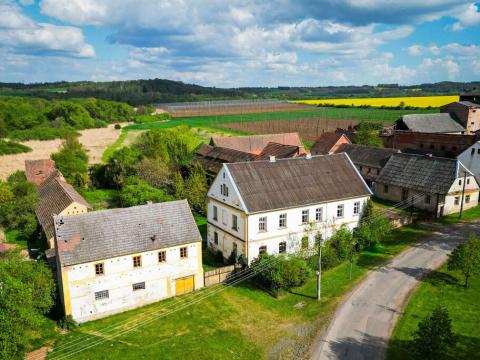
(432, 146)
(473, 152)
(378, 171)
(404, 194)
(468, 181)
(183, 252)
(282, 221)
(442, 147)
(224, 190)
(457, 200)
(368, 171)
(215, 213)
(460, 182)
(137, 261)
(224, 217)
(385, 189)
(234, 222)
(100, 295)
(467, 199)
(234, 249)
(427, 199)
(262, 249)
(421, 146)
(305, 242)
(162, 256)
(138, 286)
(361, 168)
(356, 207)
(340, 211)
(262, 224)
(282, 247)
(215, 237)
(99, 270)
(478, 151)
(305, 216)
(318, 214)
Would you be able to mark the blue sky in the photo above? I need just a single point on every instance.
(241, 42)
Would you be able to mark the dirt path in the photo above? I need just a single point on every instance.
(364, 322)
(95, 140)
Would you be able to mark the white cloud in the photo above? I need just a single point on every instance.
(467, 15)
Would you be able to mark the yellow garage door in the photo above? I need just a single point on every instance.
(184, 285)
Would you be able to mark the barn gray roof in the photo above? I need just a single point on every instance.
(287, 183)
(110, 233)
(432, 123)
(420, 172)
(371, 156)
(469, 104)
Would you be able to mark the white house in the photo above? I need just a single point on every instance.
(267, 206)
(115, 260)
(471, 159)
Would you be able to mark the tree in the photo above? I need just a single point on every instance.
(367, 133)
(466, 258)
(374, 227)
(196, 188)
(156, 173)
(72, 161)
(138, 192)
(26, 294)
(434, 336)
(121, 165)
(3, 129)
(178, 186)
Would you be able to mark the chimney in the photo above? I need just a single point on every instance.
(309, 156)
(272, 158)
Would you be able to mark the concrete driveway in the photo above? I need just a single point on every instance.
(364, 322)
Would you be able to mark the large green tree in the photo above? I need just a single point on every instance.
(466, 258)
(137, 192)
(72, 161)
(196, 188)
(374, 227)
(26, 294)
(367, 133)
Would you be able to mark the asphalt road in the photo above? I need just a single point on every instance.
(364, 322)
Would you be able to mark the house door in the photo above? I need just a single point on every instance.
(184, 285)
(404, 194)
(441, 211)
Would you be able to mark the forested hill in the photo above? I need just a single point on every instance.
(141, 92)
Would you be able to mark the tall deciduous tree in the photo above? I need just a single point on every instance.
(368, 134)
(196, 188)
(72, 161)
(466, 258)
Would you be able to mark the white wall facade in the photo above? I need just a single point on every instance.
(471, 158)
(79, 283)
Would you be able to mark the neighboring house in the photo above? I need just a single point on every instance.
(443, 145)
(211, 158)
(471, 159)
(467, 113)
(268, 206)
(435, 184)
(255, 144)
(443, 123)
(472, 95)
(328, 142)
(37, 171)
(369, 160)
(57, 197)
(114, 260)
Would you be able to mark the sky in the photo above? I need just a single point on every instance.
(235, 43)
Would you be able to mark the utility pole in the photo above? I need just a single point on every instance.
(319, 271)
(463, 191)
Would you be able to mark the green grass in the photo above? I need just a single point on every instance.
(11, 147)
(386, 204)
(467, 215)
(239, 322)
(113, 147)
(16, 237)
(101, 199)
(377, 115)
(441, 287)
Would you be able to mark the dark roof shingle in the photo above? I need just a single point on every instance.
(280, 151)
(325, 142)
(110, 233)
(432, 123)
(212, 159)
(286, 183)
(366, 155)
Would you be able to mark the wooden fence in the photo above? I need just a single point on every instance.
(219, 275)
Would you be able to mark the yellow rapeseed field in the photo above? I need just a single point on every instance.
(417, 101)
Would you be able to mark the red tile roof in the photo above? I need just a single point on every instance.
(256, 143)
(326, 142)
(37, 171)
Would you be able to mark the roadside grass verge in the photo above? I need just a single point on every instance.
(376, 115)
(115, 146)
(441, 287)
(467, 215)
(239, 322)
(11, 147)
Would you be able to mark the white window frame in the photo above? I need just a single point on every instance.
(319, 214)
(234, 222)
(215, 213)
(356, 208)
(282, 219)
(305, 216)
(262, 224)
(340, 208)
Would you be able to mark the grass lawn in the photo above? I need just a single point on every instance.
(101, 199)
(377, 115)
(386, 204)
(239, 322)
(467, 215)
(115, 146)
(445, 288)
(16, 237)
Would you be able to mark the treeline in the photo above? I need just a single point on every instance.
(24, 118)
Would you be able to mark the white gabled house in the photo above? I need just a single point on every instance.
(471, 159)
(268, 206)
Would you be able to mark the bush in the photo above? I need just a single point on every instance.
(117, 126)
(72, 161)
(219, 257)
(42, 133)
(145, 119)
(434, 336)
(138, 192)
(67, 323)
(10, 147)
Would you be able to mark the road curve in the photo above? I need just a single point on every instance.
(364, 322)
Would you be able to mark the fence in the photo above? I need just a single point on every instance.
(219, 275)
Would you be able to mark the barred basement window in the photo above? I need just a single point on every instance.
(139, 286)
(162, 256)
(183, 252)
(99, 269)
(282, 247)
(137, 261)
(100, 295)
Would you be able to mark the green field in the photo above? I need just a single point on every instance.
(441, 287)
(238, 322)
(377, 115)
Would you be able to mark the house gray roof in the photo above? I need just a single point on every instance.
(433, 175)
(432, 123)
(469, 104)
(110, 233)
(286, 183)
(371, 156)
